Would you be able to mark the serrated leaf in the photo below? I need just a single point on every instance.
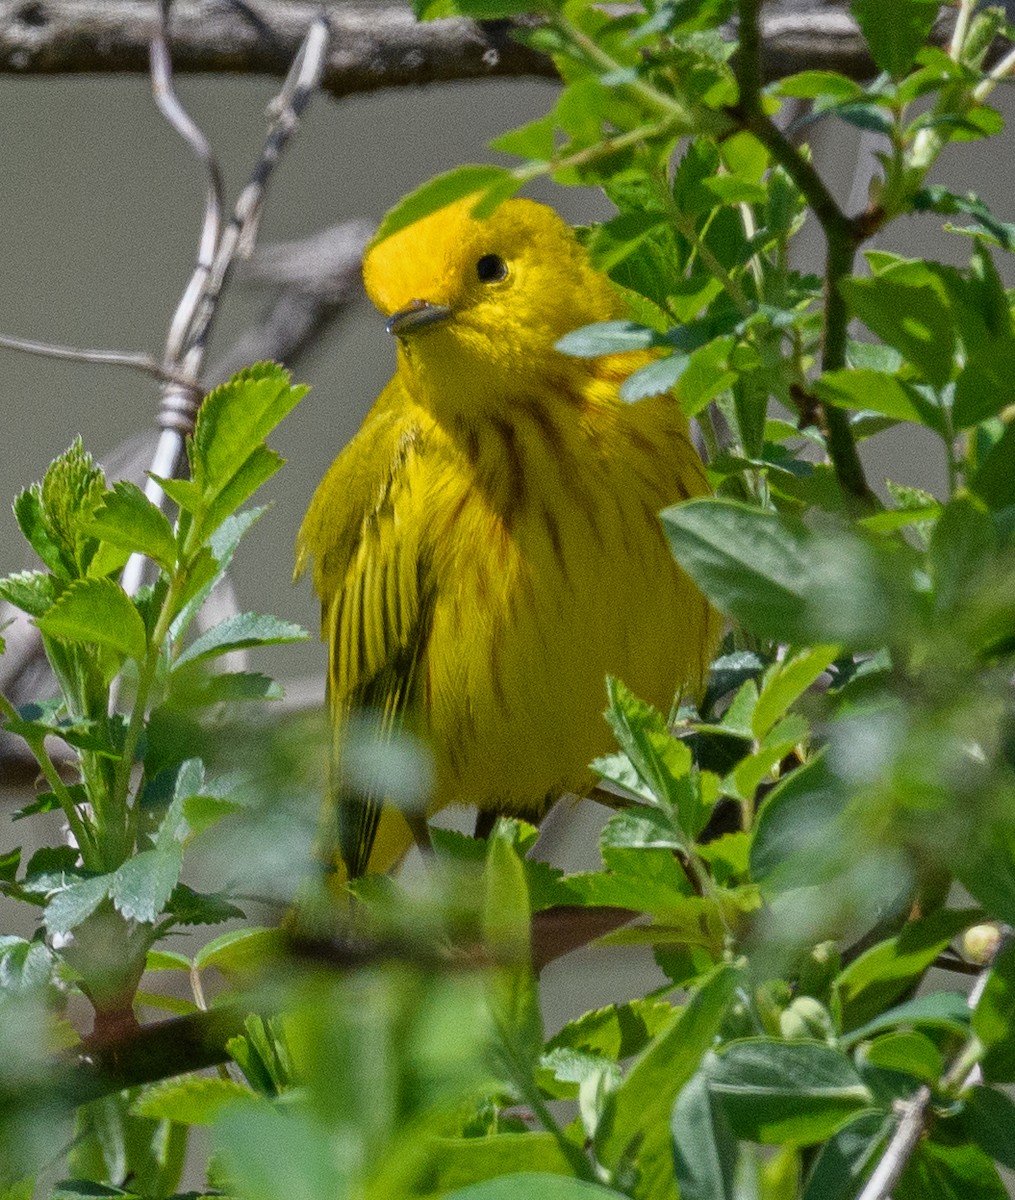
(201, 908)
(240, 632)
(141, 887)
(32, 591)
(229, 687)
(190, 1101)
(97, 612)
(655, 378)
(127, 518)
(68, 908)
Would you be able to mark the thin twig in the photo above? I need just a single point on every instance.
(899, 1150)
(138, 361)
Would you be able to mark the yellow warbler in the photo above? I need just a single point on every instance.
(486, 549)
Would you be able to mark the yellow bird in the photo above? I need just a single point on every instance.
(486, 548)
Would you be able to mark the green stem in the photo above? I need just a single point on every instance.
(685, 226)
(82, 835)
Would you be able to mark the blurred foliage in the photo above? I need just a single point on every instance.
(792, 843)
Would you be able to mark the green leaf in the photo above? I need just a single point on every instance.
(989, 1120)
(127, 518)
(864, 390)
(535, 140)
(655, 378)
(439, 193)
(907, 309)
(773, 1091)
(227, 453)
(252, 1139)
(813, 85)
(479, 10)
(69, 907)
(239, 632)
(909, 1053)
(895, 32)
(994, 482)
(24, 966)
(32, 591)
(525, 1185)
(751, 564)
(797, 826)
(983, 386)
(785, 682)
(872, 982)
(848, 1157)
(229, 687)
(200, 908)
(98, 612)
(189, 1101)
(994, 1018)
(31, 521)
(704, 1148)
(83, 1189)
(141, 887)
(608, 337)
(616, 1031)
(962, 550)
(941, 1172)
(938, 1010)
(241, 952)
(635, 1118)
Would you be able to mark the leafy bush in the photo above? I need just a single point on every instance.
(793, 844)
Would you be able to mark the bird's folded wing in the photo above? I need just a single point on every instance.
(373, 579)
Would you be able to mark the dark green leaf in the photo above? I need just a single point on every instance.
(239, 632)
(876, 391)
(195, 908)
(895, 32)
(798, 827)
(982, 388)
(994, 1018)
(750, 563)
(940, 1172)
(848, 1157)
(994, 482)
(989, 1120)
(773, 1091)
(617, 1031)
(938, 1010)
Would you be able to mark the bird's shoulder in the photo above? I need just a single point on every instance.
(364, 480)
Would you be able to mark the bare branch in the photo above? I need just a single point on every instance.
(116, 358)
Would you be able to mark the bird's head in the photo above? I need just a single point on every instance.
(477, 305)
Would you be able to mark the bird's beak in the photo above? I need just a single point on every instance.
(415, 315)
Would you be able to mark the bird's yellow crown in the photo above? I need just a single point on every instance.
(477, 301)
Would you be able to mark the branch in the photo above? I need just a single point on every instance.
(374, 46)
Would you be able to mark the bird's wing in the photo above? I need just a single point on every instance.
(372, 575)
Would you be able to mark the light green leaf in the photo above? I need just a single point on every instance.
(895, 32)
(241, 951)
(128, 519)
(962, 550)
(32, 591)
(864, 390)
(527, 1185)
(189, 1101)
(98, 612)
(608, 337)
(908, 312)
(785, 682)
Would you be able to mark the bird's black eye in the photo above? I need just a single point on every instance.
(491, 268)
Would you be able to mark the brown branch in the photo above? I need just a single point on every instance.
(375, 46)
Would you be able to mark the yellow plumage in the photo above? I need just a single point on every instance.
(486, 549)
